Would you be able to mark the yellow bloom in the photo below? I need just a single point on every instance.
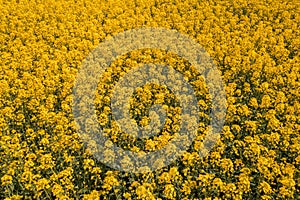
(110, 181)
(93, 195)
(42, 184)
(144, 191)
(6, 180)
(169, 191)
(265, 187)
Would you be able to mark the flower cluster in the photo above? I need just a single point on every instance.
(255, 44)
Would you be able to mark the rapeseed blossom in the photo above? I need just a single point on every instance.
(255, 45)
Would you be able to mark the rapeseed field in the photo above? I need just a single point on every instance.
(254, 44)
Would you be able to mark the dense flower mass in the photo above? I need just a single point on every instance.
(256, 46)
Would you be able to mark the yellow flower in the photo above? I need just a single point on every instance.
(88, 164)
(46, 161)
(6, 180)
(227, 165)
(244, 182)
(144, 191)
(15, 197)
(127, 195)
(169, 191)
(266, 101)
(187, 187)
(110, 181)
(57, 190)
(42, 184)
(93, 195)
(265, 187)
